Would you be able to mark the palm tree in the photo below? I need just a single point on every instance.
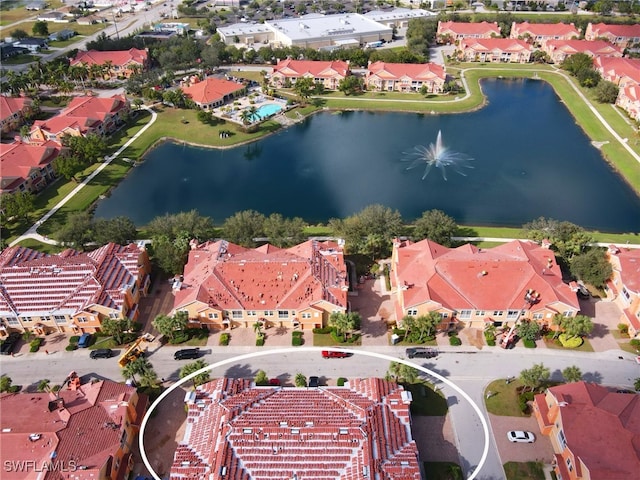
(189, 368)
(44, 385)
(246, 117)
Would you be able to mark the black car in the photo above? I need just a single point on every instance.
(313, 382)
(9, 343)
(422, 352)
(187, 354)
(101, 353)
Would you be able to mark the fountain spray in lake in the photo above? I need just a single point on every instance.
(437, 156)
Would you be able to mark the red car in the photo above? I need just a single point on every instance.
(274, 382)
(334, 354)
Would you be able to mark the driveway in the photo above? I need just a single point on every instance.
(605, 316)
(520, 452)
(375, 306)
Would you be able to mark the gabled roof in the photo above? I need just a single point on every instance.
(18, 159)
(11, 105)
(85, 428)
(32, 282)
(116, 57)
(602, 428)
(630, 269)
(316, 69)
(593, 48)
(613, 67)
(508, 45)
(630, 31)
(482, 279)
(227, 276)
(464, 28)
(327, 433)
(211, 90)
(632, 92)
(544, 29)
(414, 71)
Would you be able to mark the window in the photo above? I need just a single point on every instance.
(113, 316)
(27, 319)
(123, 438)
(444, 315)
(513, 313)
(562, 441)
(82, 319)
(306, 315)
(626, 294)
(283, 313)
(268, 313)
(479, 313)
(13, 321)
(569, 464)
(213, 315)
(464, 314)
(538, 316)
(236, 313)
(412, 312)
(60, 319)
(252, 313)
(567, 314)
(498, 313)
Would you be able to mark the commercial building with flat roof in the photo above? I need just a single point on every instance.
(309, 31)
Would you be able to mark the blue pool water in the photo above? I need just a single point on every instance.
(266, 110)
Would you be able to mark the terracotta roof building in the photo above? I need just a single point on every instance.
(477, 285)
(362, 430)
(85, 433)
(12, 112)
(621, 71)
(26, 168)
(629, 100)
(226, 285)
(405, 77)
(118, 63)
(540, 33)
(624, 286)
(70, 291)
(621, 35)
(594, 432)
(452, 32)
(213, 92)
(328, 73)
(502, 50)
(83, 115)
(560, 50)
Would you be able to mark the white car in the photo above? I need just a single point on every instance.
(518, 436)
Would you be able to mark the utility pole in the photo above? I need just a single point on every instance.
(115, 24)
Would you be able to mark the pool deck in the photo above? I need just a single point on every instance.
(255, 98)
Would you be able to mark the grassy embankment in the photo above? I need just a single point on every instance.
(198, 133)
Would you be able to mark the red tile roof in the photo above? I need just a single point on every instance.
(211, 90)
(414, 71)
(281, 433)
(84, 429)
(630, 269)
(495, 44)
(613, 68)
(602, 429)
(83, 114)
(483, 279)
(11, 105)
(630, 31)
(18, 159)
(229, 276)
(593, 48)
(116, 57)
(315, 69)
(464, 28)
(544, 29)
(34, 283)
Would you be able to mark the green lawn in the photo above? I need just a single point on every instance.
(442, 470)
(524, 470)
(20, 59)
(426, 401)
(67, 42)
(585, 347)
(326, 340)
(504, 398)
(27, 26)
(39, 246)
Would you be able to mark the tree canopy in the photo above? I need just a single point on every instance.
(566, 238)
(592, 267)
(435, 225)
(535, 376)
(192, 367)
(170, 326)
(17, 204)
(243, 227)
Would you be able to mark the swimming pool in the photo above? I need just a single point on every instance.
(265, 111)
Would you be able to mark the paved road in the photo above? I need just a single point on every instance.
(471, 370)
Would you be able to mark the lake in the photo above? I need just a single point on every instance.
(530, 159)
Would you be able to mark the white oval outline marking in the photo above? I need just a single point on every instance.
(246, 356)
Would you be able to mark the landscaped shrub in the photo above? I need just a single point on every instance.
(296, 339)
(623, 328)
(35, 344)
(224, 339)
(399, 331)
(179, 337)
(635, 343)
(354, 337)
(260, 341)
(490, 339)
(529, 343)
(323, 330)
(570, 342)
(74, 339)
(455, 341)
(341, 381)
(71, 347)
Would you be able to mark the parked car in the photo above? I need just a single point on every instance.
(187, 354)
(275, 382)
(101, 353)
(519, 436)
(84, 341)
(422, 352)
(313, 382)
(334, 354)
(9, 343)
